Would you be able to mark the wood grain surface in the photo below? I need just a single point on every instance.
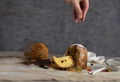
(12, 70)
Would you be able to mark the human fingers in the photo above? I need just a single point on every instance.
(77, 11)
(74, 16)
(84, 6)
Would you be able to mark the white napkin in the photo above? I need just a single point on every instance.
(92, 58)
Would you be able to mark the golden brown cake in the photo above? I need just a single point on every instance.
(37, 51)
(62, 62)
(79, 54)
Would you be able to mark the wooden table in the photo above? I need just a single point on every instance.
(12, 70)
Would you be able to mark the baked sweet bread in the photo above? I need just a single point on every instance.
(36, 51)
(79, 54)
(64, 62)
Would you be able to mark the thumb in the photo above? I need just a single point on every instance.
(78, 10)
(85, 9)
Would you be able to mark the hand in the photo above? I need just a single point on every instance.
(80, 9)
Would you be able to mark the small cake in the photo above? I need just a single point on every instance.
(62, 62)
(37, 51)
(79, 54)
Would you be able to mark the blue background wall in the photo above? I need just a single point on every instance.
(51, 22)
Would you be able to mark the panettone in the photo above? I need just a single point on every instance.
(36, 51)
(62, 62)
(79, 54)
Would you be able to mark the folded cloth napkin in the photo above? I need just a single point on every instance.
(92, 58)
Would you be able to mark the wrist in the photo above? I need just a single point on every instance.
(71, 1)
